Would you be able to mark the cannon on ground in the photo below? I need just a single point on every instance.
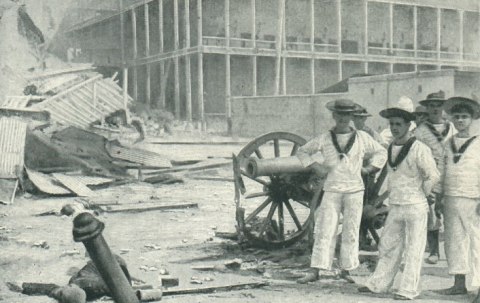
(275, 195)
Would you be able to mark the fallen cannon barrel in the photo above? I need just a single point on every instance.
(88, 229)
(265, 167)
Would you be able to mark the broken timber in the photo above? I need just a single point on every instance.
(212, 289)
(146, 206)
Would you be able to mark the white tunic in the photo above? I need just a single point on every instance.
(345, 175)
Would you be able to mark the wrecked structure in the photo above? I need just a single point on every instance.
(192, 57)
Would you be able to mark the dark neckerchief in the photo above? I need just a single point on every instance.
(438, 135)
(401, 155)
(348, 146)
(457, 154)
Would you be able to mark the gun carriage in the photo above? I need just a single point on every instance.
(276, 196)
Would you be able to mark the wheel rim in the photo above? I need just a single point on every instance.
(275, 216)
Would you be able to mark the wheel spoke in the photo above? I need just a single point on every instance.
(303, 203)
(258, 210)
(293, 214)
(258, 153)
(281, 223)
(254, 179)
(294, 149)
(276, 147)
(268, 219)
(255, 195)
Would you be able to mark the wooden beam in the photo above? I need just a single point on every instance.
(148, 85)
(201, 105)
(461, 21)
(135, 83)
(281, 15)
(390, 20)
(228, 92)
(365, 12)
(147, 29)
(439, 31)
(188, 74)
(227, 22)
(339, 25)
(312, 76)
(312, 25)
(176, 60)
(340, 70)
(254, 75)
(253, 22)
(134, 34)
(415, 30)
(284, 48)
(160, 50)
(122, 32)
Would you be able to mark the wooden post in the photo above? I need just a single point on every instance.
(340, 70)
(201, 105)
(160, 50)
(390, 20)
(148, 86)
(284, 48)
(176, 59)
(188, 75)
(439, 32)
(390, 67)
(135, 82)
(125, 93)
(366, 28)
(147, 29)
(461, 21)
(254, 75)
(254, 24)
(312, 75)
(279, 36)
(365, 67)
(339, 26)
(122, 32)
(312, 25)
(228, 90)
(134, 33)
(415, 30)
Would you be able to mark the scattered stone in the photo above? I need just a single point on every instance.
(184, 240)
(208, 279)
(163, 271)
(41, 244)
(152, 268)
(195, 280)
(70, 253)
(124, 251)
(234, 264)
(153, 246)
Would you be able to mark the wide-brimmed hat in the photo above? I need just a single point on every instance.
(472, 103)
(434, 97)
(343, 106)
(362, 113)
(397, 112)
(420, 110)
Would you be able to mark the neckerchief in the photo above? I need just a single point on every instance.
(401, 155)
(438, 135)
(348, 146)
(457, 154)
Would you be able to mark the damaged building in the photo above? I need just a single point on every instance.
(192, 57)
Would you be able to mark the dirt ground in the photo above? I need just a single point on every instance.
(176, 240)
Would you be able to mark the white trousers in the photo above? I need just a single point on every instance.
(403, 238)
(462, 237)
(326, 225)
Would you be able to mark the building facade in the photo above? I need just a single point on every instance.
(192, 56)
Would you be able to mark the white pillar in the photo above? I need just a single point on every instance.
(439, 32)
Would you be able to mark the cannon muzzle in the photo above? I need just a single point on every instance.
(266, 167)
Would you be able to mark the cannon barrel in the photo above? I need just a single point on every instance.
(283, 165)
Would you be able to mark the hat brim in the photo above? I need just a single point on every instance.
(397, 112)
(450, 103)
(331, 107)
(361, 115)
(428, 101)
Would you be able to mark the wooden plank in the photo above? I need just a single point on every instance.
(74, 184)
(46, 183)
(146, 206)
(140, 156)
(195, 167)
(212, 289)
(134, 33)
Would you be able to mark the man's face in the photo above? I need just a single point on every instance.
(342, 119)
(399, 127)
(359, 121)
(435, 110)
(462, 120)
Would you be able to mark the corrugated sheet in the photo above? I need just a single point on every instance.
(46, 183)
(15, 102)
(12, 145)
(74, 184)
(89, 180)
(84, 103)
(139, 156)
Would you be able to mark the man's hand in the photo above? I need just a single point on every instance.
(320, 171)
(368, 170)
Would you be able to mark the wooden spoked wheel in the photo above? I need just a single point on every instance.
(274, 209)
